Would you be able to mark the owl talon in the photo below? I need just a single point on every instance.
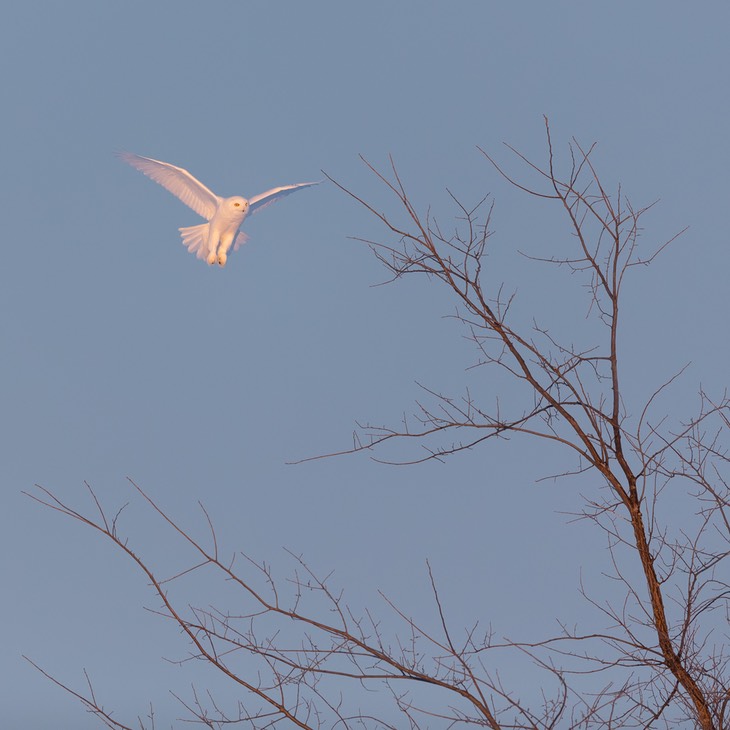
(222, 258)
(211, 258)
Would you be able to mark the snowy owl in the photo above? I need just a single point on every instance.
(212, 240)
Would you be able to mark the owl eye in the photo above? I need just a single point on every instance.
(238, 205)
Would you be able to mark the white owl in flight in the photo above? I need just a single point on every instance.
(212, 240)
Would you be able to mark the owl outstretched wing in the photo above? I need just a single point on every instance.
(179, 182)
(259, 202)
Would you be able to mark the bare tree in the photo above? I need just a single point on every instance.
(656, 657)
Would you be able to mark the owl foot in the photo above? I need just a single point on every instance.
(212, 258)
(222, 258)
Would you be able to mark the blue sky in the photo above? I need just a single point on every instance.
(124, 356)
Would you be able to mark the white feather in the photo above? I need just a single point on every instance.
(179, 182)
(259, 202)
(241, 239)
(195, 239)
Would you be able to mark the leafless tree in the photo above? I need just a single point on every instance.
(656, 657)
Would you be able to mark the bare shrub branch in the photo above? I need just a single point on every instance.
(655, 656)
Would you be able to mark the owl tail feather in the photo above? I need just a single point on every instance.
(241, 238)
(195, 239)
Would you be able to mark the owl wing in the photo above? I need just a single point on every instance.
(259, 202)
(179, 182)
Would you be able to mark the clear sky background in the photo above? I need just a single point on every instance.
(124, 356)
